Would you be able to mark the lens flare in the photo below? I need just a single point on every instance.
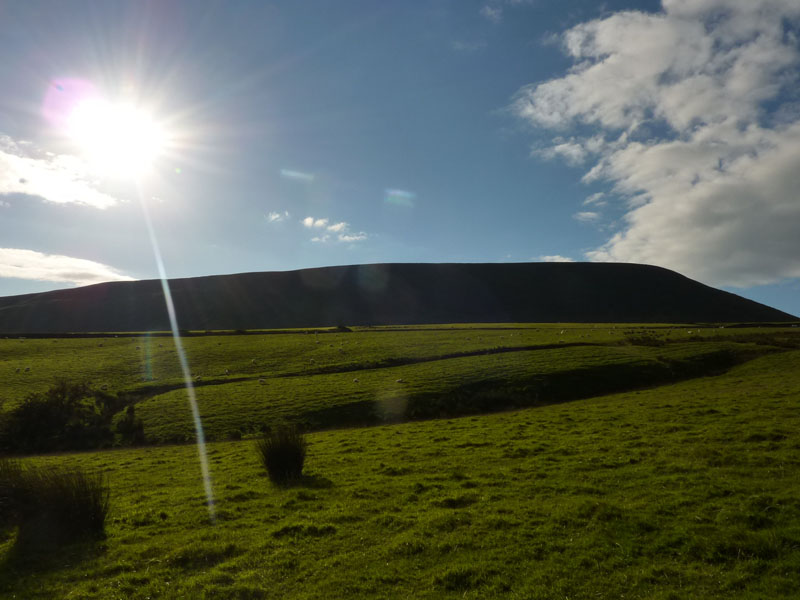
(399, 198)
(297, 175)
(184, 363)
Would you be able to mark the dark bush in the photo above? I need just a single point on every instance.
(68, 416)
(283, 452)
(52, 505)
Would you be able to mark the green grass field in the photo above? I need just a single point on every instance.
(685, 484)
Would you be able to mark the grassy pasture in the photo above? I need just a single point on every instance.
(688, 490)
(426, 389)
(131, 363)
(146, 365)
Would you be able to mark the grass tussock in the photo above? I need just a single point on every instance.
(283, 453)
(52, 505)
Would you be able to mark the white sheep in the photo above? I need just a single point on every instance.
(355, 380)
(253, 361)
(262, 381)
(227, 371)
(400, 381)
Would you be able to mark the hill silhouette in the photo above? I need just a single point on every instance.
(388, 294)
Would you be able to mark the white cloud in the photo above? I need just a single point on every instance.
(690, 116)
(336, 227)
(58, 178)
(555, 258)
(312, 222)
(573, 153)
(352, 237)
(4, 204)
(29, 264)
(341, 229)
(586, 216)
(595, 200)
(492, 13)
(277, 217)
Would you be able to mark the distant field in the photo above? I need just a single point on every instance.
(688, 490)
(447, 387)
(331, 379)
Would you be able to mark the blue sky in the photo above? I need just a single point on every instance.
(305, 134)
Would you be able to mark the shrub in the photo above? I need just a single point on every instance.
(283, 452)
(52, 505)
(68, 416)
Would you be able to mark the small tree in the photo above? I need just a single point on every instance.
(283, 452)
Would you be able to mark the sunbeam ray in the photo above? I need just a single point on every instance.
(187, 377)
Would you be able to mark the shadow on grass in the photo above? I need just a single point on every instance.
(25, 555)
(494, 395)
(316, 482)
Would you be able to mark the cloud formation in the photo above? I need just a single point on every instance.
(492, 13)
(597, 199)
(58, 178)
(691, 115)
(555, 258)
(29, 264)
(352, 237)
(277, 217)
(332, 232)
(337, 227)
(586, 216)
(312, 222)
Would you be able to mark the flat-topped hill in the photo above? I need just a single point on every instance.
(388, 294)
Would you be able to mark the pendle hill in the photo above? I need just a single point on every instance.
(388, 294)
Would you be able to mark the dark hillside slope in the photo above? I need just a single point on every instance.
(385, 294)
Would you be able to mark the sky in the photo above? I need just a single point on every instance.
(269, 136)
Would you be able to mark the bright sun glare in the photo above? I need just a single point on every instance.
(117, 139)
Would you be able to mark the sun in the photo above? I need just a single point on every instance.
(117, 140)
